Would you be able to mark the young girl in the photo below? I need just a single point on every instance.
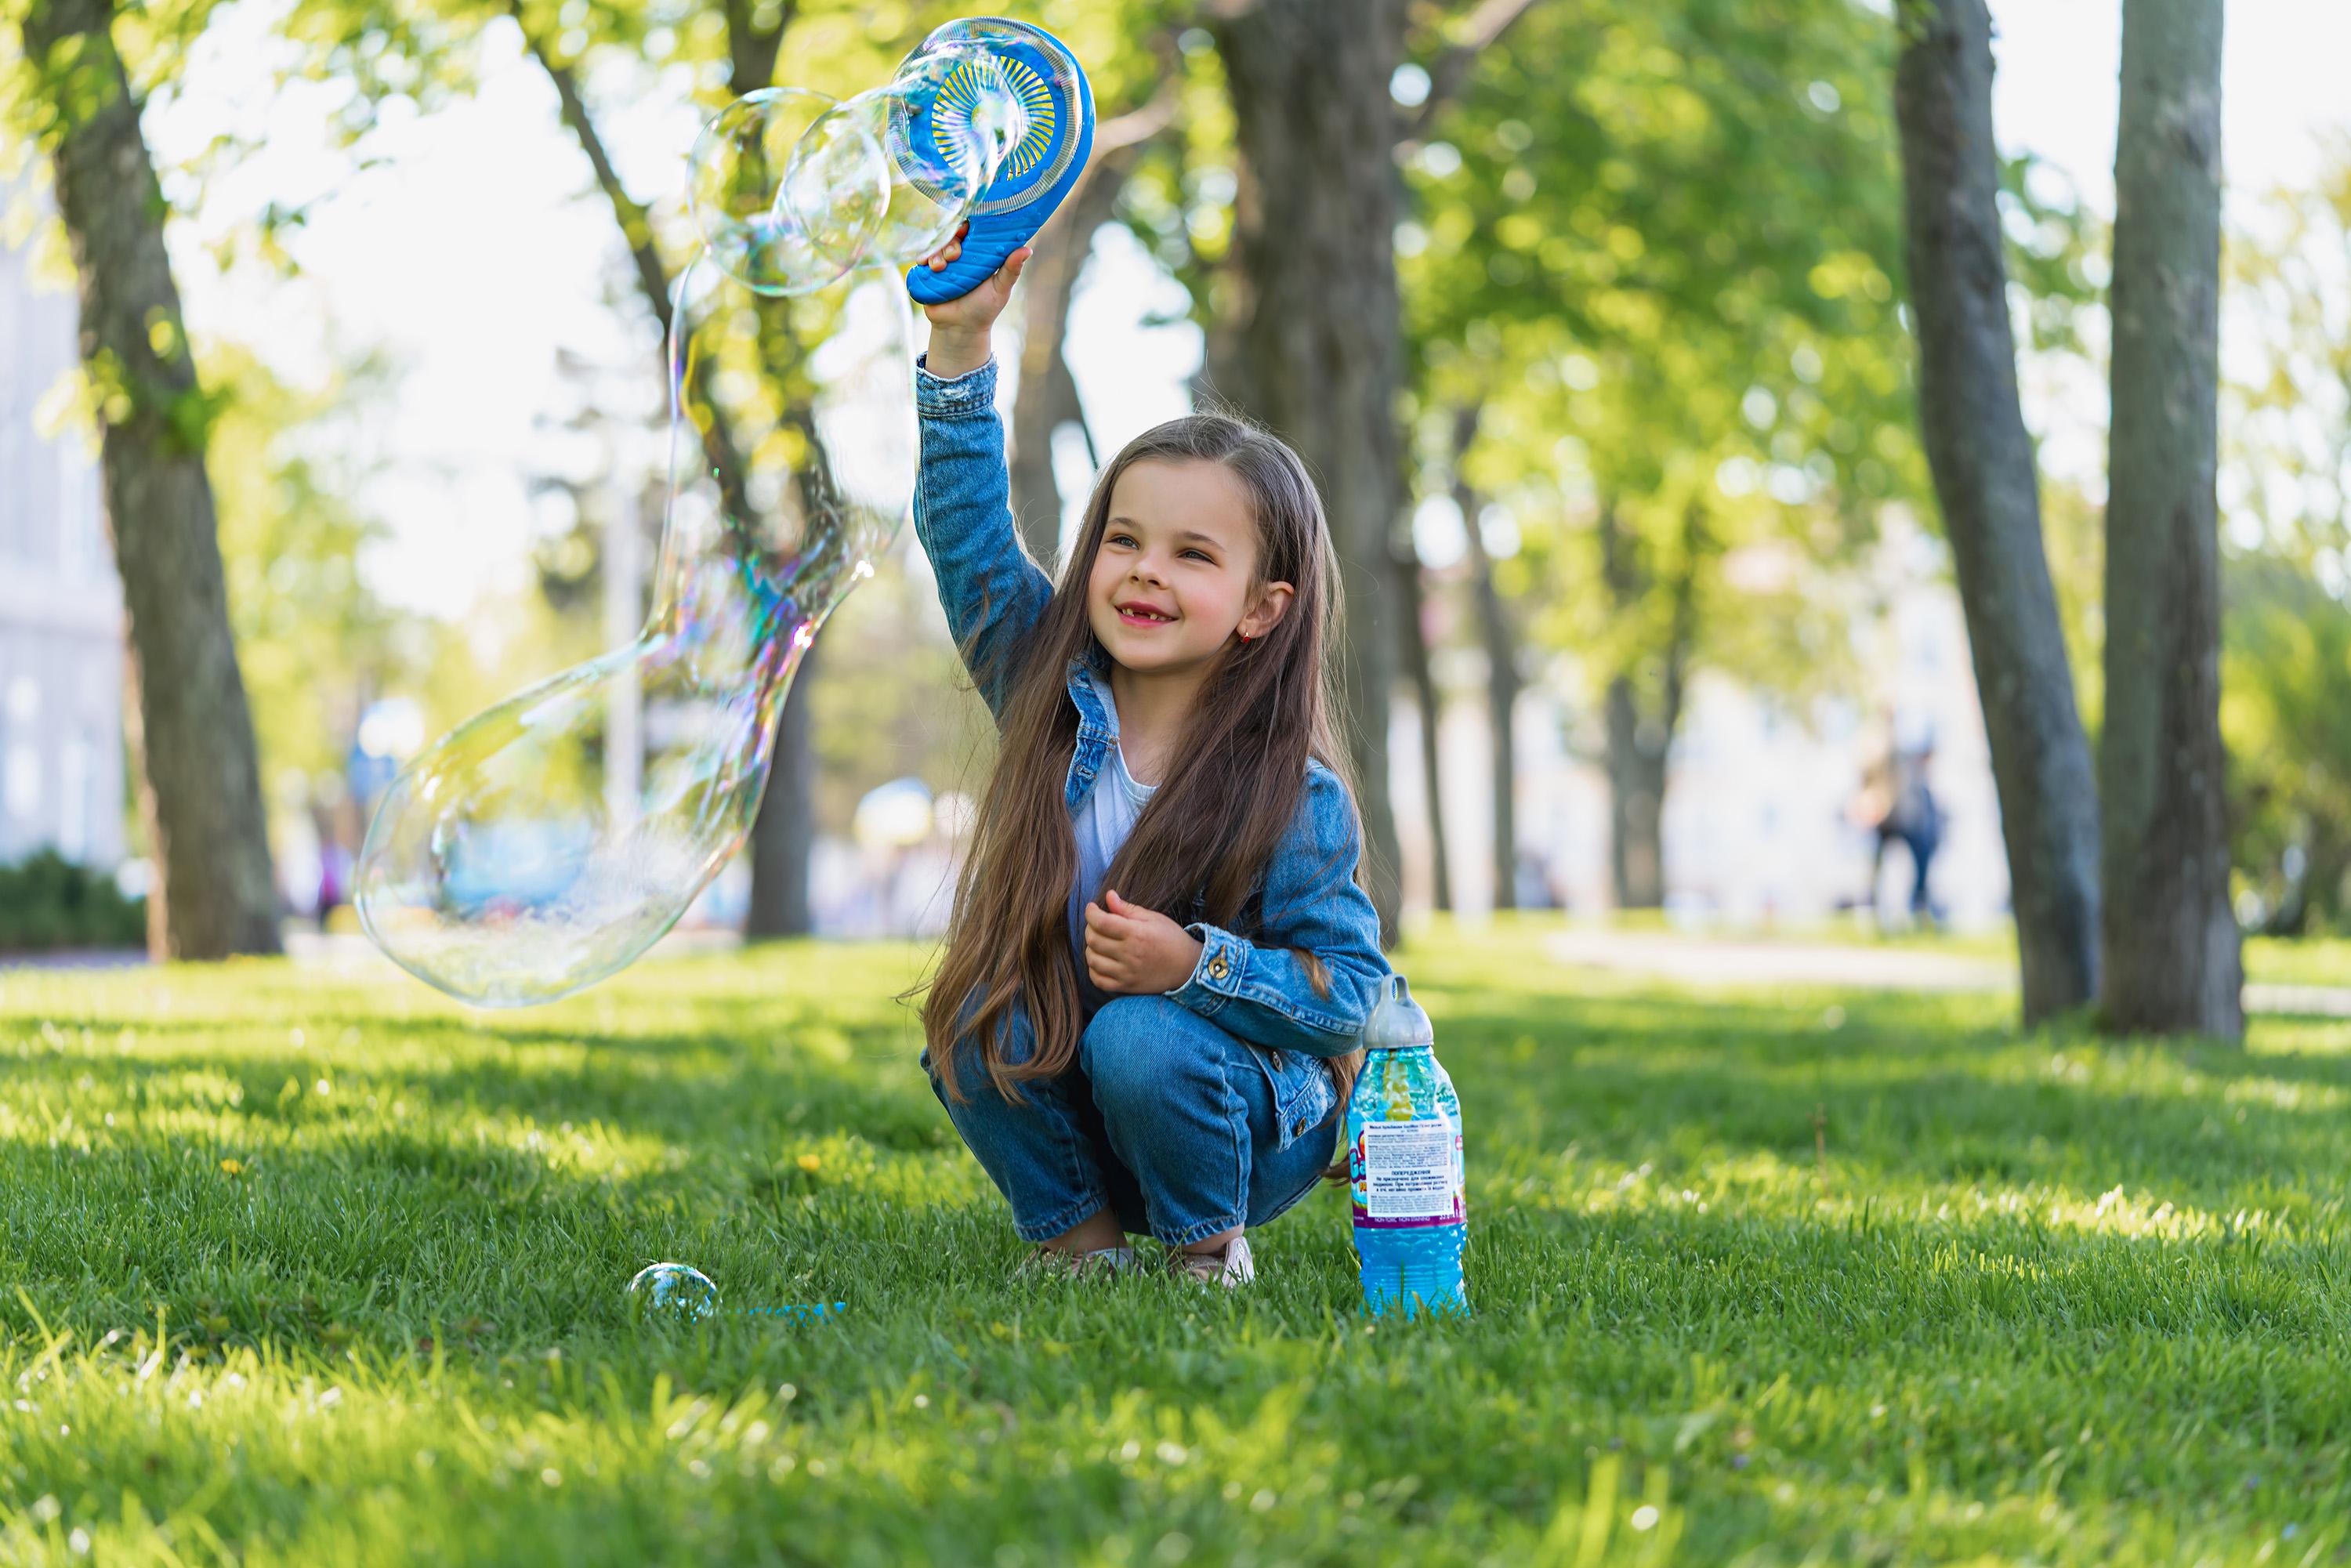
(1160, 959)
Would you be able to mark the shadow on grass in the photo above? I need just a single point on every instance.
(778, 1069)
(1883, 1095)
(441, 1215)
(1893, 1095)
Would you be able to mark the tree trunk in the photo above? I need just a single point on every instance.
(1641, 733)
(782, 836)
(202, 792)
(1636, 800)
(1411, 604)
(2172, 960)
(1320, 339)
(1984, 479)
(2310, 900)
(1046, 400)
(1502, 643)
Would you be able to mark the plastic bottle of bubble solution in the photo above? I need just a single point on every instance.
(1404, 1159)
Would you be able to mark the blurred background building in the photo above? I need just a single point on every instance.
(61, 604)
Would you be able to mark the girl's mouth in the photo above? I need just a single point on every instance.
(1132, 619)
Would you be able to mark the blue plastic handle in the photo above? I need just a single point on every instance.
(1008, 217)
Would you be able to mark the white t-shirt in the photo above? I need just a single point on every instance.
(1103, 825)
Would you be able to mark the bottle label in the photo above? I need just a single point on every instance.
(1407, 1172)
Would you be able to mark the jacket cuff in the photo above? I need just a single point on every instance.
(1217, 976)
(974, 391)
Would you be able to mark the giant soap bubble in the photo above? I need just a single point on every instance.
(545, 843)
(787, 191)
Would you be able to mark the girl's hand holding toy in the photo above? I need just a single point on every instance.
(960, 327)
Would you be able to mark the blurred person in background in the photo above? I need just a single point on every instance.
(1897, 803)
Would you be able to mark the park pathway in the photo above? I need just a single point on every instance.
(1684, 957)
(1731, 961)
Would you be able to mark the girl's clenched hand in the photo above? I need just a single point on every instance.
(1133, 951)
(959, 327)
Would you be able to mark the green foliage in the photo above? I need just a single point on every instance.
(43, 95)
(2074, 536)
(48, 902)
(2057, 254)
(55, 89)
(1178, 200)
(1660, 245)
(2285, 676)
(2287, 648)
(188, 416)
(314, 643)
(324, 1269)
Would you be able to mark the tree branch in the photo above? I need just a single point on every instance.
(751, 50)
(653, 275)
(1449, 71)
(653, 282)
(1148, 119)
(1697, 542)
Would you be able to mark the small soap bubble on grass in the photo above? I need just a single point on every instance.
(670, 1292)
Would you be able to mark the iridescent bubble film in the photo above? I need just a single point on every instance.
(942, 161)
(547, 843)
(787, 191)
(670, 1292)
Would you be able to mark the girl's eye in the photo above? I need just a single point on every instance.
(1201, 553)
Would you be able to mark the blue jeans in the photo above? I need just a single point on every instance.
(1173, 1125)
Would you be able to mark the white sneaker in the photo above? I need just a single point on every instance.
(1050, 1263)
(1231, 1268)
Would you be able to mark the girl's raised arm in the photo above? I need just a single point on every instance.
(992, 592)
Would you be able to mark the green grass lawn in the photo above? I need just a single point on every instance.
(297, 1268)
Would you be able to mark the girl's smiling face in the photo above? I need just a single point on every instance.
(1172, 579)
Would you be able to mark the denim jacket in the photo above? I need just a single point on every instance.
(1256, 986)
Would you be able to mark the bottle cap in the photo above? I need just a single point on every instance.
(1396, 1020)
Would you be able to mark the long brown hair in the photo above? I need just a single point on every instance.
(1232, 787)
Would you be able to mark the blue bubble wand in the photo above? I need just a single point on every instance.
(1043, 165)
